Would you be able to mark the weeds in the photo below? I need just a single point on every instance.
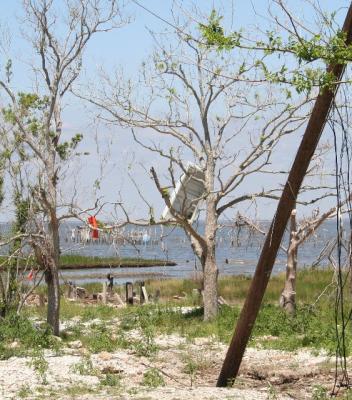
(190, 367)
(152, 378)
(24, 392)
(40, 365)
(86, 312)
(98, 338)
(195, 363)
(320, 393)
(111, 380)
(272, 393)
(146, 346)
(310, 328)
(145, 319)
(85, 366)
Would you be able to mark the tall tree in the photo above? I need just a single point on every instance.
(58, 32)
(198, 105)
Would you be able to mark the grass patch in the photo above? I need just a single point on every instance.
(78, 261)
(311, 327)
(72, 261)
(310, 283)
(98, 338)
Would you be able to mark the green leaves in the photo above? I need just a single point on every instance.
(28, 100)
(29, 116)
(65, 149)
(311, 52)
(214, 34)
(333, 51)
(165, 192)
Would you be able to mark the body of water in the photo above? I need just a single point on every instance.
(237, 251)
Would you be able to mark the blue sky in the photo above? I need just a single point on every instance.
(128, 47)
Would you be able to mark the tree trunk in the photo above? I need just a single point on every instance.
(288, 295)
(210, 269)
(52, 279)
(53, 313)
(210, 292)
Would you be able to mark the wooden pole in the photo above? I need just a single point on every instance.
(287, 201)
(129, 293)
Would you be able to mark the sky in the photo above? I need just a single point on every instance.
(129, 46)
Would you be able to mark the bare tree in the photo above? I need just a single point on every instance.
(58, 33)
(298, 235)
(299, 232)
(200, 106)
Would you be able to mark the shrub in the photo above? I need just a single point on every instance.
(30, 337)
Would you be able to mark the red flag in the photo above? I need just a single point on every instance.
(93, 222)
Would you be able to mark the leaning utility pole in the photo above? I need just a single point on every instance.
(287, 201)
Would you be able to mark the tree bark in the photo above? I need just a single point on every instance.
(52, 277)
(288, 294)
(210, 292)
(210, 269)
(53, 313)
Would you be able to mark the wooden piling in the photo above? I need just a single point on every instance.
(129, 293)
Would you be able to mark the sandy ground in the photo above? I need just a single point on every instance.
(265, 374)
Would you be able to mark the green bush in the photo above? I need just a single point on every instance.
(29, 337)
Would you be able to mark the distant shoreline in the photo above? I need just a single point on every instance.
(145, 264)
(71, 262)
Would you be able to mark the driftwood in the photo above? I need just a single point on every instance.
(118, 298)
(143, 295)
(36, 300)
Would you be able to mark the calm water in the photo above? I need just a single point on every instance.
(237, 252)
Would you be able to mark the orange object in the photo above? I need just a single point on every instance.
(92, 221)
